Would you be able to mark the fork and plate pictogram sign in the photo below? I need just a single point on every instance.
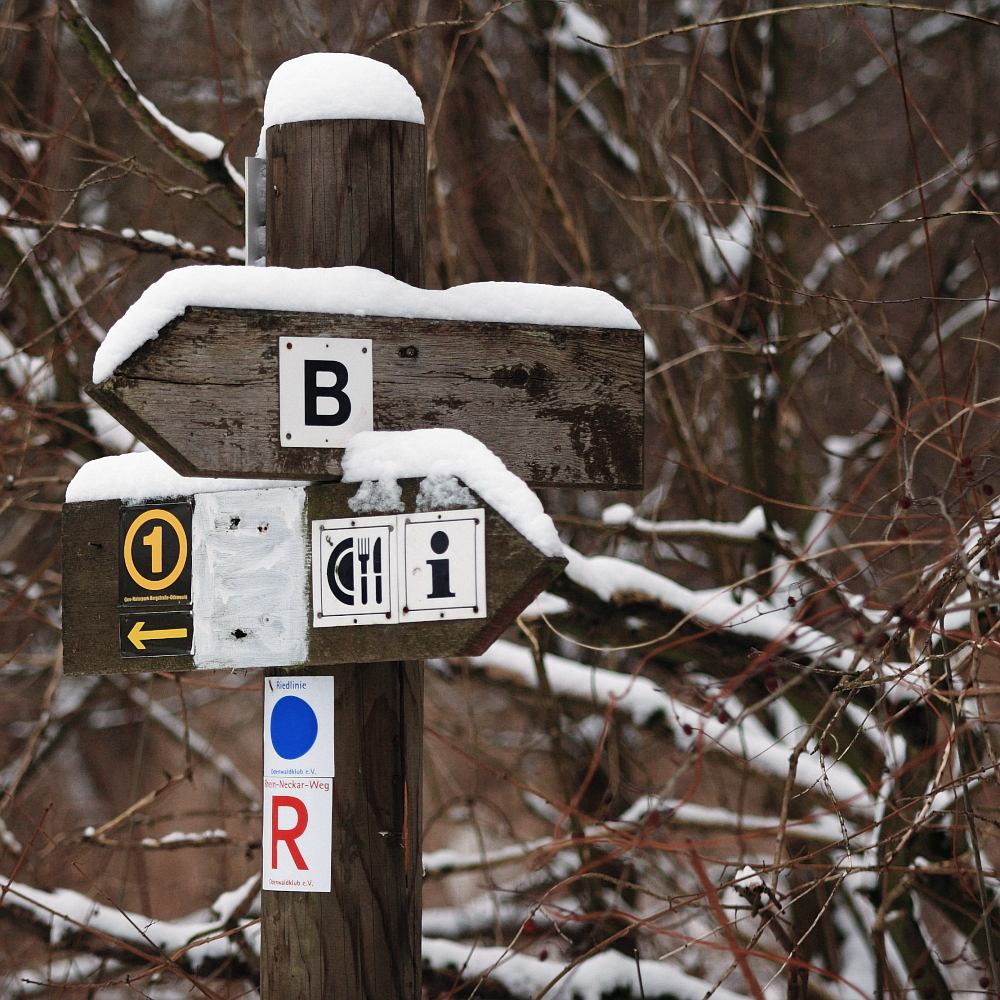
(411, 567)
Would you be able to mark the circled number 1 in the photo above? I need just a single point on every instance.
(155, 541)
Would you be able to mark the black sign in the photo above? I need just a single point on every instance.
(154, 556)
(156, 633)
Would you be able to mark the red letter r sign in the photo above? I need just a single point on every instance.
(290, 835)
(298, 822)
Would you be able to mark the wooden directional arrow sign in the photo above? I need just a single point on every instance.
(268, 578)
(261, 393)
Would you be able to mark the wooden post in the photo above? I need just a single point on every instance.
(347, 192)
(340, 193)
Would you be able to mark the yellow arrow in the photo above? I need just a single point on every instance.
(136, 636)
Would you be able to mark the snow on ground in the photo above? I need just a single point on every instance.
(357, 291)
(386, 456)
(325, 85)
(144, 476)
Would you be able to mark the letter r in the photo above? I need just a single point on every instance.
(291, 835)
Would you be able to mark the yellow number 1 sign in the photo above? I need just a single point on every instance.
(154, 569)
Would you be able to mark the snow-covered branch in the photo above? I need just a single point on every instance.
(146, 241)
(645, 702)
(198, 151)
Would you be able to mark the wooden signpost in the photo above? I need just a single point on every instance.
(288, 578)
(561, 405)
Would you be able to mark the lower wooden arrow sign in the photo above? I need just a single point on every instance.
(290, 577)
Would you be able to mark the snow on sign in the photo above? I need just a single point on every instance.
(324, 390)
(298, 783)
(433, 566)
(400, 568)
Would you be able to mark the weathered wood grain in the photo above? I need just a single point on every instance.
(516, 573)
(343, 193)
(347, 192)
(360, 941)
(562, 406)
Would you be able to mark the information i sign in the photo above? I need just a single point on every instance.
(397, 568)
(298, 783)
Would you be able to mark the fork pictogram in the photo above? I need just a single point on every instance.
(364, 548)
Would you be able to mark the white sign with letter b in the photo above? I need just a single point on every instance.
(325, 390)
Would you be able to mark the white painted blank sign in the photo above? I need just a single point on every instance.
(298, 783)
(325, 390)
(399, 568)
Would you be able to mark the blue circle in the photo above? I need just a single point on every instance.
(293, 727)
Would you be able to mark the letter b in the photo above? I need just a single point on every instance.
(313, 391)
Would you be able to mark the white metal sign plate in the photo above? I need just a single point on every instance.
(399, 568)
(325, 393)
(354, 571)
(298, 783)
(444, 566)
(298, 727)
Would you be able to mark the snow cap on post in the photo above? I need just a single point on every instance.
(326, 85)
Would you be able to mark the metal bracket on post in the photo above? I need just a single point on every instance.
(255, 213)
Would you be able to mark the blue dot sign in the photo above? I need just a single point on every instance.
(294, 727)
(298, 728)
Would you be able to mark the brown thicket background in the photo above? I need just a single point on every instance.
(798, 204)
